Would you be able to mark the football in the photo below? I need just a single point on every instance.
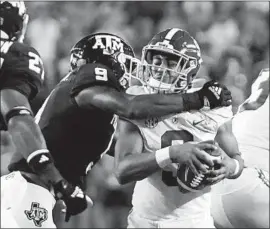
(188, 182)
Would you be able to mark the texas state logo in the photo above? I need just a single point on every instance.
(37, 214)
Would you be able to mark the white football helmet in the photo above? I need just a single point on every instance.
(170, 61)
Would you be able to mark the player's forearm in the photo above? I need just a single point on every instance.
(26, 135)
(144, 106)
(136, 167)
(236, 166)
(228, 143)
(27, 138)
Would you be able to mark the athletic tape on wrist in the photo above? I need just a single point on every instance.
(163, 157)
(237, 168)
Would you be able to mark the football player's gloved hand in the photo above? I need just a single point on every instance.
(75, 199)
(214, 95)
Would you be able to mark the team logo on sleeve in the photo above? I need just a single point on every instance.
(151, 122)
(37, 214)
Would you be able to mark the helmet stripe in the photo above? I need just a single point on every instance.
(170, 35)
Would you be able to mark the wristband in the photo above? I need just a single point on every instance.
(39, 159)
(18, 111)
(237, 168)
(192, 101)
(163, 158)
(35, 153)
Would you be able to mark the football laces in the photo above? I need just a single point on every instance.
(196, 181)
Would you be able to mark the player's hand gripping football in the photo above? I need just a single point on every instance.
(193, 155)
(75, 200)
(225, 170)
(214, 95)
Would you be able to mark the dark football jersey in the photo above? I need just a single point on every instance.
(21, 68)
(76, 137)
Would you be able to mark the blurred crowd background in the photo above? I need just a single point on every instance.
(234, 40)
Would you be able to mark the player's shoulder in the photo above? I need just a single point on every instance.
(93, 74)
(222, 111)
(19, 57)
(22, 48)
(21, 68)
(219, 115)
(94, 69)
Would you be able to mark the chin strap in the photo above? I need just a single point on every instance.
(159, 86)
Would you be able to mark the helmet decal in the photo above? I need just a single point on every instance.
(109, 44)
(107, 49)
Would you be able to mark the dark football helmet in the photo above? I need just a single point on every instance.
(13, 20)
(183, 59)
(107, 49)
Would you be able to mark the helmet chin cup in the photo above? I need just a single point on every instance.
(159, 86)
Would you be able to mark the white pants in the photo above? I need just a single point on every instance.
(25, 205)
(243, 202)
(136, 220)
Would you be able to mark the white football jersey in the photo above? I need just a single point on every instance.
(251, 128)
(158, 196)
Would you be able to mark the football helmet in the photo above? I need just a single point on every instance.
(170, 61)
(13, 20)
(105, 48)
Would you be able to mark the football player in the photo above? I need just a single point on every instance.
(77, 119)
(149, 150)
(244, 203)
(21, 76)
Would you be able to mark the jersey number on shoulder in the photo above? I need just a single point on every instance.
(35, 64)
(168, 139)
(101, 74)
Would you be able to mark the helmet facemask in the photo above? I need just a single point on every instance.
(131, 66)
(172, 77)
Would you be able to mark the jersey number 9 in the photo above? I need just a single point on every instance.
(101, 74)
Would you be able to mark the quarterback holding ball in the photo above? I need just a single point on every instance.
(154, 151)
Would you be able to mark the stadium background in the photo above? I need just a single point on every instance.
(234, 40)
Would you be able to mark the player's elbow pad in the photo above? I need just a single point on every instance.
(17, 111)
